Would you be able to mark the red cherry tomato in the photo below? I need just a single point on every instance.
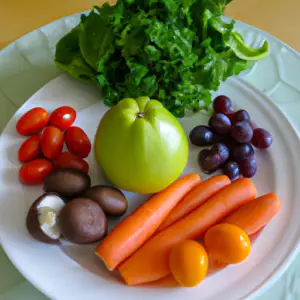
(78, 142)
(69, 160)
(35, 171)
(52, 142)
(30, 149)
(63, 117)
(33, 121)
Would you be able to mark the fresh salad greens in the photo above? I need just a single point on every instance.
(176, 51)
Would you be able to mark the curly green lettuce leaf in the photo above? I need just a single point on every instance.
(133, 36)
(68, 57)
(215, 68)
(176, 51)
(68, 46)
(217, 7)
(236, 43)
(78, 68)
(95, 37)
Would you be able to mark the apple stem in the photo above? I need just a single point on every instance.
(140, 115)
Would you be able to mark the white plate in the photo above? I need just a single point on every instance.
(74, 272)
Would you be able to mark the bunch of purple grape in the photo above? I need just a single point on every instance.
(232, 136)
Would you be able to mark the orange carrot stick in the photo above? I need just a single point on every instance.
(150, 262)
(166, 282)
(138, 227)
(253, 216)
(195, 198)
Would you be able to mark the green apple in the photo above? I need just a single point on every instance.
(140, 146)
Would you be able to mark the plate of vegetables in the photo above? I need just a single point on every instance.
(150, 173)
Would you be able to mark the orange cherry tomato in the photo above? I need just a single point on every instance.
(227, 243)
(30, 149)
(69, 160)
(35, 171)
(78, 142)
(188, 263)
(63, 117)
(52, 142)
(33, 121)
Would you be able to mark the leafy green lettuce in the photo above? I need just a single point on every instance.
(176, 51)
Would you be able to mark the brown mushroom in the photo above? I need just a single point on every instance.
(41, 220)
(110, 199)
(68, 183)
(82, 221)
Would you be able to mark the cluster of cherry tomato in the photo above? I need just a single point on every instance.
(42, 152)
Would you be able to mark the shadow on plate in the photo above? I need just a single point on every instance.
(10, 176)
(12, 153)
(95, 172)
(85, 256)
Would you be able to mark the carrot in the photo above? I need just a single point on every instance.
(166, 282)
(150, 262)
(138, 227)
(195, 198)
(253, 216)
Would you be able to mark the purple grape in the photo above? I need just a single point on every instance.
(231, 169)
(231, 117)
(242, 151)
(242, 132)
(262, 138)
(203, 163)
(241, 115)
(221, 150)
(248, 167)
(227, 140)
(220, 123)
(222, 104)
(211, 160)
(202, 136)
(202, 154)
(211, 163)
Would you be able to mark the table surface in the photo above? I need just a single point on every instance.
(280, 18)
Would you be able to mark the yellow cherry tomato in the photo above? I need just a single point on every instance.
(188, 263)
(227, 243)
